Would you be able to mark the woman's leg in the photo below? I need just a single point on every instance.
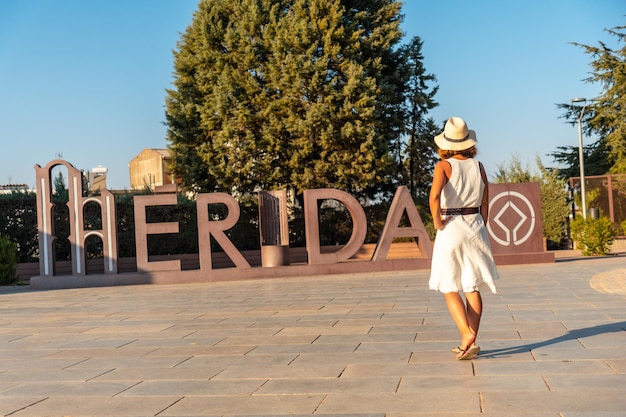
(458, 311)
(474, 310)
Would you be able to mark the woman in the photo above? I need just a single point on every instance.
(462, 259)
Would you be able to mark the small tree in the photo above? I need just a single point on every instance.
(554, 205)
(59, 191)
(593, 236)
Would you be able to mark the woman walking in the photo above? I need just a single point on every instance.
(462, 258)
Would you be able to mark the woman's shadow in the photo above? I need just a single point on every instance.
(570, 335)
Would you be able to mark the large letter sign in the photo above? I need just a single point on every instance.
(514, 226)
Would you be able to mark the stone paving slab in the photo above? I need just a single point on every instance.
(529, 403)
(361, 345)
(439, 402)
(94, 406)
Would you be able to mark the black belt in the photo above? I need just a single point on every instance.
(460, 211)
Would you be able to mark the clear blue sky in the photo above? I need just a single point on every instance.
(87, 79)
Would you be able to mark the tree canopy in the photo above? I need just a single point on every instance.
(420, 155)
(605, 115)
(288, 93)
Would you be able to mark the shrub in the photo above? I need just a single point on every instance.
(8, 261)
(593, 236)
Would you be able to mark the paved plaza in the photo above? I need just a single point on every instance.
(369, 345)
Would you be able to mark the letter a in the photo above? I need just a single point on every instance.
(402, 202)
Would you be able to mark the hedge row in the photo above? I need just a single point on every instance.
(18, 222)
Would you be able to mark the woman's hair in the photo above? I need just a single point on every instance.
(468, 153)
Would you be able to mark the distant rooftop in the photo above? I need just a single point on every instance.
(164, 152)
(9, 188)
(14, 187)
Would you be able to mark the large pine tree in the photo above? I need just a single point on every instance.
(286, 93)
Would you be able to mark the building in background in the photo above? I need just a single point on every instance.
(151, 168)
(97, 179)
(15, 188)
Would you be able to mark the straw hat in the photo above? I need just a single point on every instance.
(456, 136)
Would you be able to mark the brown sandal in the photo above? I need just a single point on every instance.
(469, 353)
(459, 349)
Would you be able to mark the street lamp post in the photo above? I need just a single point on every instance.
(580, 155)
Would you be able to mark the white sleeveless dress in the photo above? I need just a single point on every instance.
(462, 258)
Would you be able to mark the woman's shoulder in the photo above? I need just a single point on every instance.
(444, 167)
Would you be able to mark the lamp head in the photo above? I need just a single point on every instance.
(579, 100)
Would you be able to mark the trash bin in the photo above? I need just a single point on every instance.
(274, 255)
(273, 228)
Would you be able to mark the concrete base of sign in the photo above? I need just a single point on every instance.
(356, 266)
(524, 258)
(225, 274)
